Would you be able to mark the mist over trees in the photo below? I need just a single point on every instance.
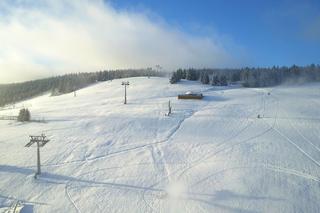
(12, 93)
(250, 77)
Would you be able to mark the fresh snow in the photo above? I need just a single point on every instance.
(210, 155)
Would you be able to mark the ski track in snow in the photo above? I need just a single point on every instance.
(163, 162)
(154, 146)
(292, 172)
(286, 170)
(210, 155)
(274, 168)
(267, 166)
(226, 142)
(296, 146)
(70, 199)
(293, 143)
(303, 136)
(158, 155)
(122, 151)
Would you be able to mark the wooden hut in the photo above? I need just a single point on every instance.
(191, 95)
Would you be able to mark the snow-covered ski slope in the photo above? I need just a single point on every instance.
(212, 155)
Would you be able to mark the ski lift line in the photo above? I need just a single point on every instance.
(125, 84)
(41, 141)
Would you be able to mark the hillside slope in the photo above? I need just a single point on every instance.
(213, 155)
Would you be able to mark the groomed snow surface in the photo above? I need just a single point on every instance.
(212, 155)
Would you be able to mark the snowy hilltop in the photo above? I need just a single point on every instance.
(235, 150)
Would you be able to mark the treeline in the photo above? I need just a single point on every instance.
(12, 93)
(250, 77)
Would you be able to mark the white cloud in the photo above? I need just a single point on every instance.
(58, 36)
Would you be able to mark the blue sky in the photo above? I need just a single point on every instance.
(272, 32)
(52, 37)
